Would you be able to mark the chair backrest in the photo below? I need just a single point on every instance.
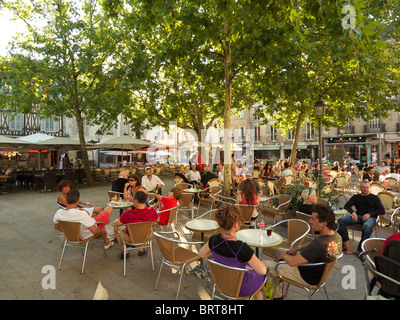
(341, 182)
(271, 187)
(395, 220)
(373, 243)
(246, 210)
(228, 280)
(391, 181)
(297, 231)
(289, 180)
(185, 200)
(172, 213)
(256, 173)
(328, 268)
(140, 232)
(213, 183)
(182, 185)
(333, 173)
(284, 202)
(71, 230)
(178, 180)
(323, 201)
(376, 187)
(388, 199)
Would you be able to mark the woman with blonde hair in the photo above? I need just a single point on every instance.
(226, 249)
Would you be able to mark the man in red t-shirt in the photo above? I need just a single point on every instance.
(167, 203)
(141, 213)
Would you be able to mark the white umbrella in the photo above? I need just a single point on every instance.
(8, 142)
(125, 142)
(35, 138)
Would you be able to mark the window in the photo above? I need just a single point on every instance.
(290, 135)
(375, 123)
(16, 121)
(257, 134)
(273, 133)
(49, 125)
(310, 131)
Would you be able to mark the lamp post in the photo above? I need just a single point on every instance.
(98, 135)
(319, 109)
(341, 132)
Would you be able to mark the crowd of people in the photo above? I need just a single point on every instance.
(363, 208)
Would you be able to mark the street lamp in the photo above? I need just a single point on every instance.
(319, 109)
(341, 132)
(98, 135)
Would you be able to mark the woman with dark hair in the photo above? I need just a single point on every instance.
(267, 171)
(247, 195)
(133, 185)
(65, 186)
(226, 249)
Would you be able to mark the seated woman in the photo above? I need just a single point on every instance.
(309, 197)
(64, 186)
(247, 195)
(133, 185)
(226, 249)
(267, 172)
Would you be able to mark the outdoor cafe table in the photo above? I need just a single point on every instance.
(121, 205)
(202, 225)
(258, 238)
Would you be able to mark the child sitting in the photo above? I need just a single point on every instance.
(167, 203)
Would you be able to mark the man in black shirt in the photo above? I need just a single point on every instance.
(325, 248)
(367, 209)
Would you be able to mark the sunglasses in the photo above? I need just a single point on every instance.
(130, 180)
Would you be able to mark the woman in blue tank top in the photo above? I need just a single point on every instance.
(226, 249)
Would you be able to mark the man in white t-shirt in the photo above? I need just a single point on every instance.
(72, 213)
(151, 182)
(194, 175)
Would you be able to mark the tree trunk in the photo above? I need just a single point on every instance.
(85, 158)
(227, 116)
(296, 137)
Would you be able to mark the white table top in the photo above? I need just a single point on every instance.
(258, 238)
(340, 211)
(264, 198)
(121, 204)
(202, 225)
(192, 190)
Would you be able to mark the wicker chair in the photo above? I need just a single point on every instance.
(279, 210)
(140, 235)
(186, 202)
(71, 232)
(328, 268)
(247, 211)
(395, 220)
(174, 255)
(297, 230)
(206, 197)
(228, 281)
(389, 202)
(172, 214)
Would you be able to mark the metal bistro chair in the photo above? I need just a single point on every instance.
(395, 220)
(228, 281)
(280, 208)
(297, 230)
(328, 268)
(140, 234)
(247, 212)
(206, 197)
(185, 203)
(172, 213)
(174, 255)
(71, 232)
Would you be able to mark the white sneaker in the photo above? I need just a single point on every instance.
(108, 246)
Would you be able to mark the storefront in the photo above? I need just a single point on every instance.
(355, 148)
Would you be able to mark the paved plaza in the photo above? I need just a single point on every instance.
(28, 243)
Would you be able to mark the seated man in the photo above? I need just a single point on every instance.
(118, 185)
(141, 213)
(367, 209)
(325, 248)
(73, 213)
(179, 173)
(194, 175)
(7, 171)
(151, 182)
(206, 176)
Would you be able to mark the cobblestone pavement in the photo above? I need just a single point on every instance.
(29, 245)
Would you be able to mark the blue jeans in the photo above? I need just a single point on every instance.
(367, 228)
